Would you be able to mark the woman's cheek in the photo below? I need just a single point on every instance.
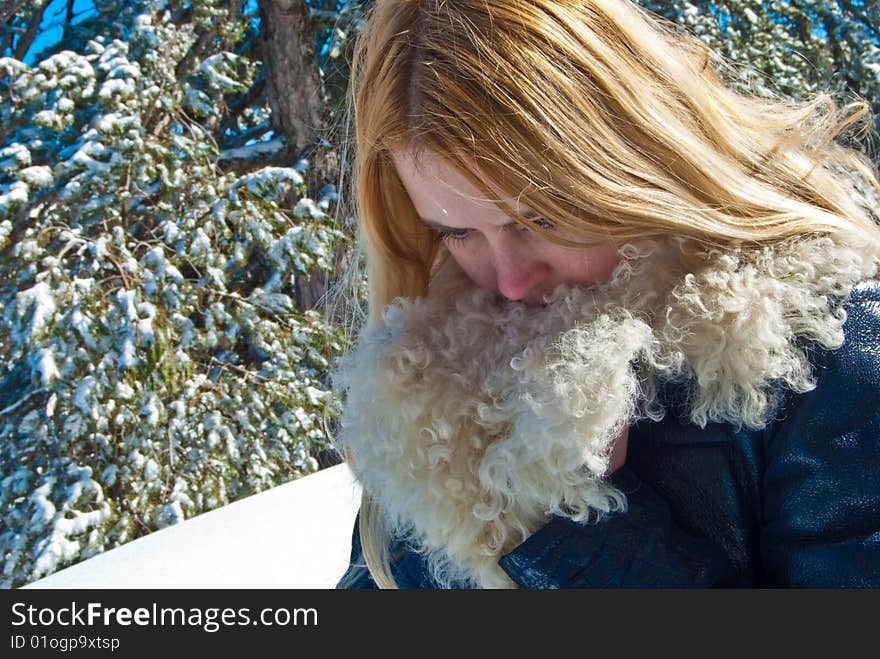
(477, 266)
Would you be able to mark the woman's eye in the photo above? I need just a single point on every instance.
(449, 235)
(539, 222)
(452, 235)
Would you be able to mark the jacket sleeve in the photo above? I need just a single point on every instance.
(641, 548)
(407, 567)
(821, 508)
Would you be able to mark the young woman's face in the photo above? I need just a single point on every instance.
(495, 252)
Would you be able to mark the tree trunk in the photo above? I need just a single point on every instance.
(291, 73)
(299, 109)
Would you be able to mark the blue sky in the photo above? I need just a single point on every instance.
(53, 22)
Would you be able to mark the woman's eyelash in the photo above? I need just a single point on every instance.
(457, 235)
(452, 235)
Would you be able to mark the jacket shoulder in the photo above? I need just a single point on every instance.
(821, 480)
(848, 378)
(862, 327)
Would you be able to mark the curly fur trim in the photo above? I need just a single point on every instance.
(471, 419)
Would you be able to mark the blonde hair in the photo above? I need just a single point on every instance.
(601, 118)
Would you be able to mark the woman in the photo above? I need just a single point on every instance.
(623, 320)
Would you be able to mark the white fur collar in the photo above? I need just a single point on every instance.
(470, 420)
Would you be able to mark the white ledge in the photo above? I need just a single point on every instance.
(297, 535)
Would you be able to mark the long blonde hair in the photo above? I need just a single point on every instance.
(600, 117)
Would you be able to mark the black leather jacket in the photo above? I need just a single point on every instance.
(796, 504)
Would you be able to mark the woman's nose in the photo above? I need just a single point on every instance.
(518, 271)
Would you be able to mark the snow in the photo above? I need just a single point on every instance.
(84, 157)
(173, 274)
(108, 476)
(40, 301)
(59, 62)
(115, 122)
(124, 391)
(44, 510)
(201, 244)
(151, 469)
(46, 367)
(178, 408)
(124, 69)
(145, 325)
(38, 176)
(263, 181)
(306, 207)
(150, 412)
(116, 87)
(53, 550)
(127, 304)
(146, 331)
(155, 258)
(13, 156)
(51, 404)
(315, 396)
(327, 195)
(49, 119)
(259, 148)
(274, 302)
(213, 67)
(12, 66)
(128, 356)
(200, 102)
(297, 535)
(85, 393)
(81, 324)
(18, 195)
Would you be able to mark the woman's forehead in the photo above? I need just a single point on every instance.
(437, 188)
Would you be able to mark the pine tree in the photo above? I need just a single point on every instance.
(793, 47)
(157, 361)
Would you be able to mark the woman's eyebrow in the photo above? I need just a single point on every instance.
(434, 225)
